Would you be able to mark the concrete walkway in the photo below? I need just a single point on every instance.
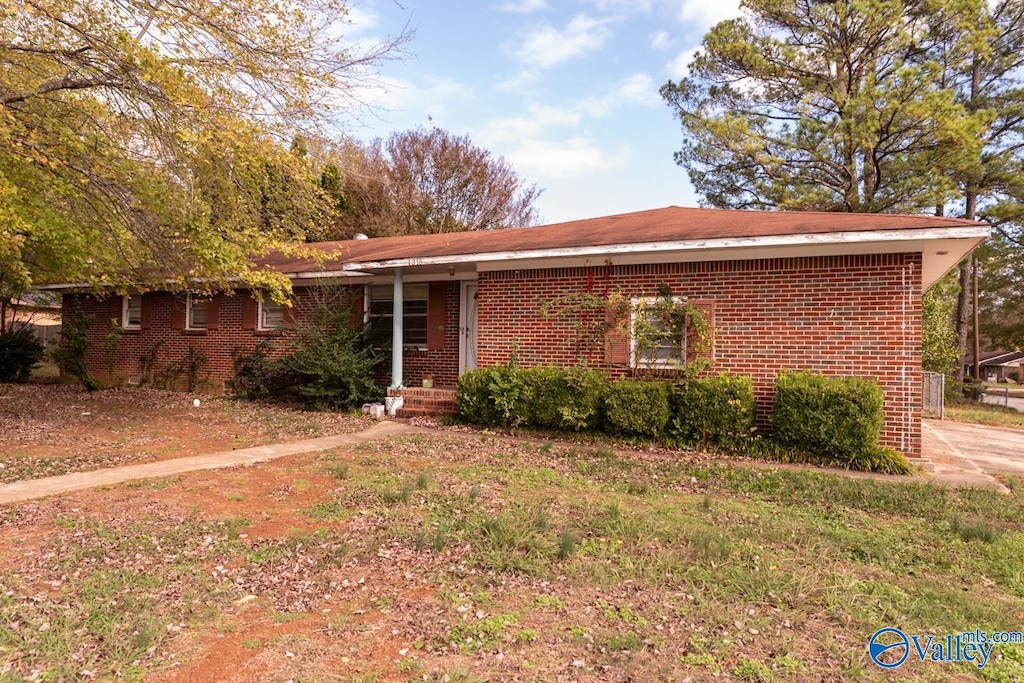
(38, 488)
(943, 443)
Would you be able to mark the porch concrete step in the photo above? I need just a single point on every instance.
(425, 402)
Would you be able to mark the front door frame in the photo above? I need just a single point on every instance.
(465, 321)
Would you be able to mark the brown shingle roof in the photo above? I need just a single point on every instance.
(669, 224)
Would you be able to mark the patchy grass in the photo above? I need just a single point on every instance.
(986, 414)
(504, 561)
(51, 430)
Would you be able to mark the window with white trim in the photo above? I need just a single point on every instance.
(131, 312)
(196, 310)
(658, 332)
(270, 314)
(414, 312)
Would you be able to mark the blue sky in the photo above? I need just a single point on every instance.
(566, 91)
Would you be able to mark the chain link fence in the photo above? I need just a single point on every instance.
(933, 393)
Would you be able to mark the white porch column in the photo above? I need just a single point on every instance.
(397, 335)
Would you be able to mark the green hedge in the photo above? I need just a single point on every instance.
(838, 417)
(564, 399)
(473, 398)
(546, 397)
(830, 421)
(636, 407)
(715, 410)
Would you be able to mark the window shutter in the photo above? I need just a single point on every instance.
(357, 300)
(616, 340)
(290, 314)
(435, 316)
(146, 320)
(115, 308)
(693, 341)
(249, 310)
(213, 312)
(178, 312)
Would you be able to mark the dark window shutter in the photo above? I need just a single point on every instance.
(357, 301)
(115, 306)
(616, 339)
(213, 312)
(178, 312)
(435, 316)
(249, 310)
(697, 348)
(290, 314)
(146, 320)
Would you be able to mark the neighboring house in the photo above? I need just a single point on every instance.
(38, 311)
(998, 366)
(828, 292)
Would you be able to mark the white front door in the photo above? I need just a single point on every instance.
(467, 328)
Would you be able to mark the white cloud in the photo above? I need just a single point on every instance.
(679, 67)
(416, 103)
(569, 158)
(547, 46)
(707, 12)
(523, 6)
(623, 6)
(660, 40)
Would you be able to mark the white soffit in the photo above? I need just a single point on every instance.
(941, 249)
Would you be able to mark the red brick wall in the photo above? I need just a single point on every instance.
(852, 315)
(160, 354)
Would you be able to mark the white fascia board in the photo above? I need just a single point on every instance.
(859, 237)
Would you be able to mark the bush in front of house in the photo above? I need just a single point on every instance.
(473, 397)
(638, 407)
(715, 410)
(498, 395)
(259, 377)
(19, 352)
(835, 420)
(546, 397)
(334, 364)
(565, 398)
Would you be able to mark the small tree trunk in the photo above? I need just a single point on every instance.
(963, 309)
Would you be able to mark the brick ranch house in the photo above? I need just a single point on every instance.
(833, 293)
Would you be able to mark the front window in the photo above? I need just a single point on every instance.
(658, 332)
(271, 314)
(414, 312)
(197, 309)
(131, 314)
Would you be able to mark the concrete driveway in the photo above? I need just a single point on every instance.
(972, 452)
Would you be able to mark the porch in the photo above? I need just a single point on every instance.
(420, 402)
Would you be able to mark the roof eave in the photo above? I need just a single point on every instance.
(979, 232)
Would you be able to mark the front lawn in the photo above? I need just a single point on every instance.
(986, 414)
(474, 558)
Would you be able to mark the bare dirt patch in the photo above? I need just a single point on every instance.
(55, 429)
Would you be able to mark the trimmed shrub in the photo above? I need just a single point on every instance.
(19, 352)
(473, 397)
(837, 417)
(564, 399)
(715, 410)
(511, 395)
(638, 407)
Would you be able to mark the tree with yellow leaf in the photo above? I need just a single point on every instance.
(146, 138)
